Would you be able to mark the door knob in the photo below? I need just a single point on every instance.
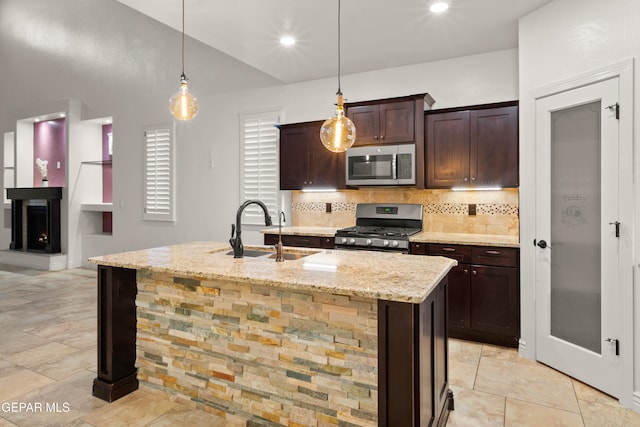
(541, 244)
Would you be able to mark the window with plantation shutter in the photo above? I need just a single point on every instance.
(259, 163)
(158, 178)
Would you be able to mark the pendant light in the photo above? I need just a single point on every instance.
(338, 132)
(183, 105)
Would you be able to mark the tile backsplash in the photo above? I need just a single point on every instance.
(443, 210)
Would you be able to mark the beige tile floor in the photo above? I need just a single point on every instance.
(493, 386)
(48, 358)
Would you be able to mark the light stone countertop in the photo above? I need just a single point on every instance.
(303, 231)
(467, 239)
(379, 275)
(422, 237)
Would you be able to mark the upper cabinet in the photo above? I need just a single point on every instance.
(305, 162)
(472, 147)
(389, 121)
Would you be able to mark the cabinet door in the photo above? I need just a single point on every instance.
(366, 118)
(326, 168)
(447, 137)
(494, 146)
(440, 349)
(396, 123)
(495, 300)
(458, 296)
(294, 158)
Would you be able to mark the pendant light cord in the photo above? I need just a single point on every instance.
(339, 90)
(183, 76)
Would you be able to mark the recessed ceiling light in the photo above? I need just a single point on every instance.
(287, 41)
(36, 120)
(61, 114)
(439, 7)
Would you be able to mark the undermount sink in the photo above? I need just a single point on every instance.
(269, 253)
(254, 253)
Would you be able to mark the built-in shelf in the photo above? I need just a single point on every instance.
(97, 207)
(98, 162)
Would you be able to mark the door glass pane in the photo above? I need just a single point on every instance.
(575, 225)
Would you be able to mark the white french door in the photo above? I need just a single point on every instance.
(578, 295)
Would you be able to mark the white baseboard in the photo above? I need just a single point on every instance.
(47, 262)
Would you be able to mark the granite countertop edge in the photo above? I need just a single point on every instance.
(392, 277)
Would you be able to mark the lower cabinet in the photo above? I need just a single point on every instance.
(300, 241)
(484, 292)
(413, 371)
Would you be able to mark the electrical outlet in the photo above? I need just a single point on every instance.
(472, 209)
(328, 207)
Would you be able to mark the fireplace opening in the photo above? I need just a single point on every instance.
(37, 236)
(35, 219)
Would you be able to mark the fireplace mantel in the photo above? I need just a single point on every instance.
(51, 234)
(35, 193)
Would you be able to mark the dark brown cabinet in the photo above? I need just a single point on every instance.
(484, 292)
(474, 147)
(300, 241)
(413, 377)
(385, 123)
(305, 162)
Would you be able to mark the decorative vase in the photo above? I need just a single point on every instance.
(45, 182)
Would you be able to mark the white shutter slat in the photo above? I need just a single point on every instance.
(259, 163)
(158, 197)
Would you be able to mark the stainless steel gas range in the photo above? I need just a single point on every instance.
(381, 227)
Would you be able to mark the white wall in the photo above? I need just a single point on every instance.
(557, 42)
(122, 64)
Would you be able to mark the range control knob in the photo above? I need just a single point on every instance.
(352, 241)
(394, 244)
(343, 240)
(369, 242)
(385, 243)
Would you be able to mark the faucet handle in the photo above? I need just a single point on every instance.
(232, 240)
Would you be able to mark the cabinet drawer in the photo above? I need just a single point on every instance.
(300, 241)
(418, 248)
(460, 253)
(488, 255)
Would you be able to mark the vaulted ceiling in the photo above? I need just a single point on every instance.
(376, 34)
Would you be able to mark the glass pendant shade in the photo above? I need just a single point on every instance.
(183, 105)
(338, 132)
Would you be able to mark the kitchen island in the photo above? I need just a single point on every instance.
(333, 337)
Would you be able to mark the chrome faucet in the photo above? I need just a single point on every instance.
(236, 242)
(279, 253)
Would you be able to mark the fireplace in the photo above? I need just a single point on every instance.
(35, 219)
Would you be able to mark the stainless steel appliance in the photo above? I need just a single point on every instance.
(381, 227)
(381, 165)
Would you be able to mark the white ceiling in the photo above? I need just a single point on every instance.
(376, 34)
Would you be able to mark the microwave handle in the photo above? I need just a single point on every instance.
(394, 166)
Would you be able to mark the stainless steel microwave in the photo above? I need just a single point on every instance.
(381, 165)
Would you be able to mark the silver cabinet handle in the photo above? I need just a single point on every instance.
(475, 273)
(493, 252)
(448, 250)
